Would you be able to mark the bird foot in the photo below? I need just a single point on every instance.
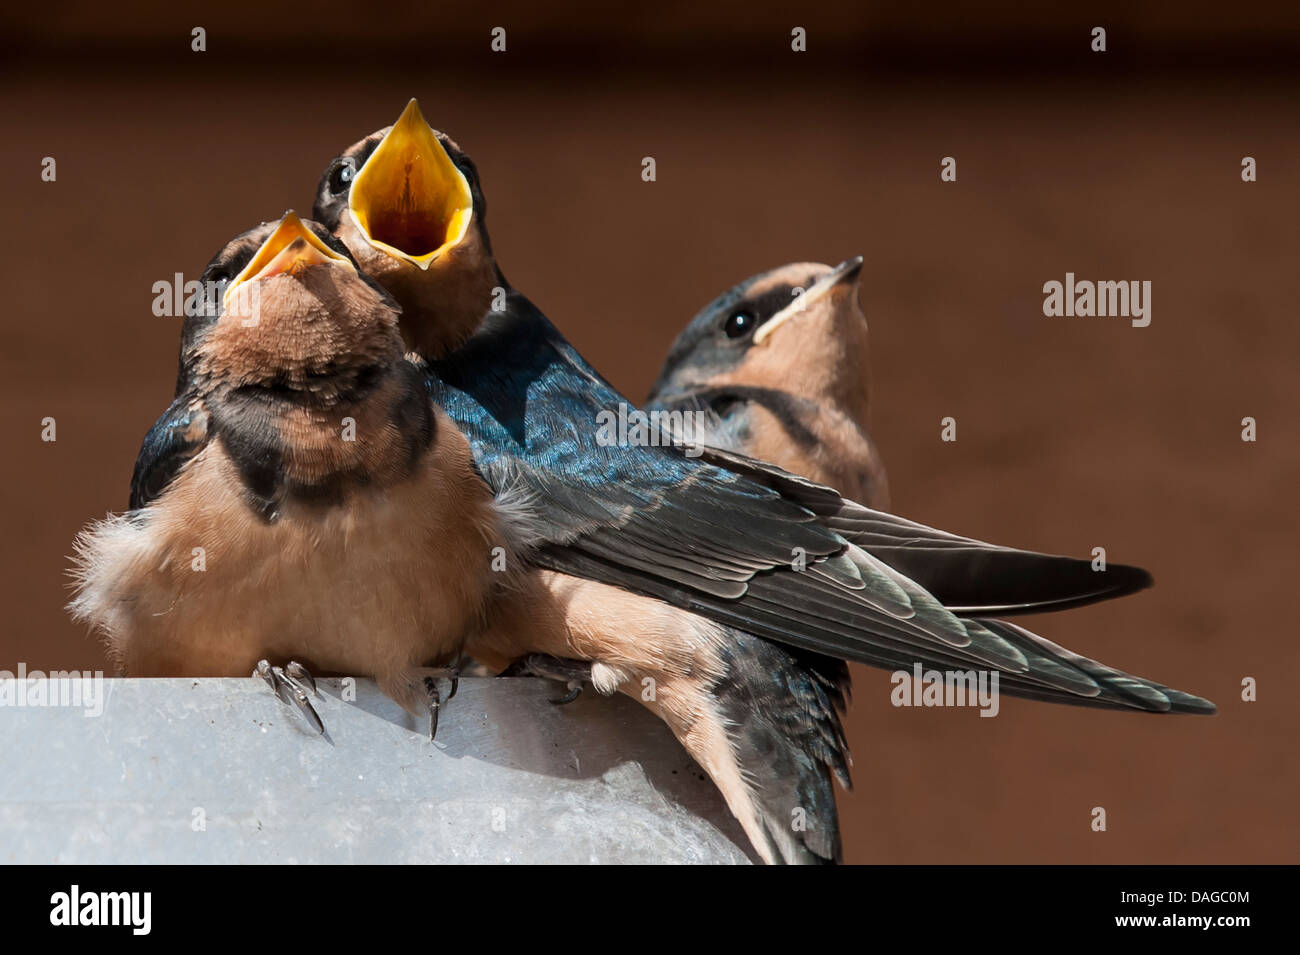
(572, 673)
(294, 685)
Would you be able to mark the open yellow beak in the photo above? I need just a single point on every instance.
(291, 248)
(409, 199)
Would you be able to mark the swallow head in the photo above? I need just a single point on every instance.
(779, 367)
(294, 311)
(407, 203)
(780, 329)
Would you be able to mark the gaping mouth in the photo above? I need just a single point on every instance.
(409, 199)
(290, 249)
(846, 273)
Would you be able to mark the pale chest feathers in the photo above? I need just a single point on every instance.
(386, 578)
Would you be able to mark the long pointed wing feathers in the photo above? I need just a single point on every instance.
(749, 545)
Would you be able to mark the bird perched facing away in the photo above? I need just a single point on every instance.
(724, 543)
(301, 497)
(779, 367)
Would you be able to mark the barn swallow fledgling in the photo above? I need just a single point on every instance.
(780, 363)
(725, 544)
(792, 342)
(422, 194)
(300, 498)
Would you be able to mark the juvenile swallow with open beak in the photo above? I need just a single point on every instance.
(778, 365)
(722, 543)
(406, 202)
(290, 503)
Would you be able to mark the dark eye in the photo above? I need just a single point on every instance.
(220, 275)
(341, 177)
(739, 325)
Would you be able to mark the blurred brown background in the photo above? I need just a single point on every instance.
(1072, 433)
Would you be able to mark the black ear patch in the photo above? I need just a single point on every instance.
(766, 304)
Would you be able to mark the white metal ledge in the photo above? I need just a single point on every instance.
(220, 771)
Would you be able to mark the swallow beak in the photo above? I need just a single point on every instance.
(409, 199)
(290, 249)
(850, 270)
(843, 276)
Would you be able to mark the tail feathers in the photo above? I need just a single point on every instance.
(782, 707)
(782, 710)
(976, 579)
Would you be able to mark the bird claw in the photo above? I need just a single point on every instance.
(435, 696)
(299, 674)
(574, 688)
(294, 685)
(572, 673)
